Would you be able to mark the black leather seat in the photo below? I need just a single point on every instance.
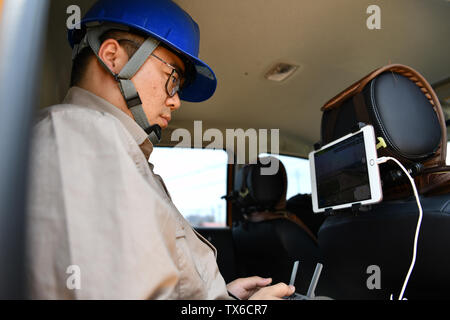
(382, 236)
(268, 239)
(301, 206)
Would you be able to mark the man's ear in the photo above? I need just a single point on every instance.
(113, 55)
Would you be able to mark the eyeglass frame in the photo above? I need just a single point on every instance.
(178, 86)
(177, 80)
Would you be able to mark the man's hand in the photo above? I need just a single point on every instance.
(275, 292)
(243, 288)
(256, 288)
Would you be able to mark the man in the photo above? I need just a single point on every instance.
(101, 223)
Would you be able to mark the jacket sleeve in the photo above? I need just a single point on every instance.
(97, 229)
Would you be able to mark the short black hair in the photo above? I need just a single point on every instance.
(80, 63)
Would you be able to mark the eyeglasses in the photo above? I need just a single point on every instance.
(174, 83)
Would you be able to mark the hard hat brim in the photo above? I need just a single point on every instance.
(203, 86)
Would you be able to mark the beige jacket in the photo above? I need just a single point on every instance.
(101, 224)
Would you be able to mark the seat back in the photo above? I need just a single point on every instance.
(258, 192)
(360, 246)
(268, 239)
(383, 238)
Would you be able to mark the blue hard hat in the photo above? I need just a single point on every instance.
(168, 23)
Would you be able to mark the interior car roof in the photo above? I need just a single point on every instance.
(241, 40)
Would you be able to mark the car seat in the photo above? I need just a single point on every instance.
(268, 239)
(359, 246)
(301, 206)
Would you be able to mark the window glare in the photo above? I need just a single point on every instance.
(196, 180)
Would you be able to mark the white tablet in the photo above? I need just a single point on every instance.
(345, 172)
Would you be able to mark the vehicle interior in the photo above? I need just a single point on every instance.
(278, 63)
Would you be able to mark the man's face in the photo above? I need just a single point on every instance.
(150, 82)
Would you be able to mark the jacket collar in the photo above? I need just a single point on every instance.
(82, 97)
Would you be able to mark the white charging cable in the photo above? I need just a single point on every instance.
(419, 221)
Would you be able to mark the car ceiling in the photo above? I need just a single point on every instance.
(242, 40)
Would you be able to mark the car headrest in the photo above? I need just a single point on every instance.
(258, 192)
(402, 107)
(409, 125)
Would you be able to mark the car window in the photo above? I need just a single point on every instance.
(298, 174)
(196, 180)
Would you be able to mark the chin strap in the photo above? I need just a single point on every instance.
(127, 88)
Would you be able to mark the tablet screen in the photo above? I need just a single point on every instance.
(341, 173)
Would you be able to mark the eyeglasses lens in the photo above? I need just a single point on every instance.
(173, 84)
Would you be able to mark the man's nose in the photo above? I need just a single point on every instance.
(174, 103)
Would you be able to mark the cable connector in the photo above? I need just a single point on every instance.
(382, 160)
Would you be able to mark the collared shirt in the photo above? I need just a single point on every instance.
(101, 224)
